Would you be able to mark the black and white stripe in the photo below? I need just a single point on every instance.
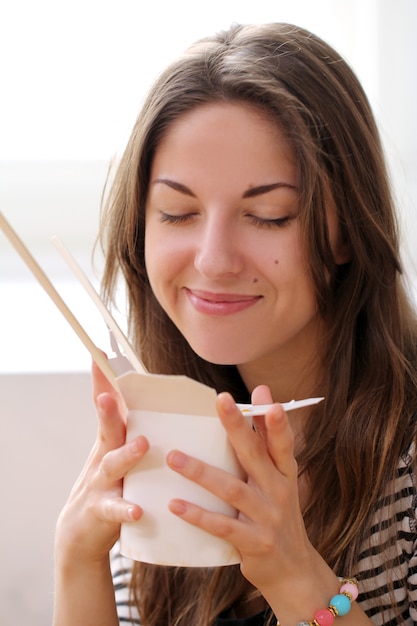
(383, 560)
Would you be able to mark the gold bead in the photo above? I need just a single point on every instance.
(348, 595)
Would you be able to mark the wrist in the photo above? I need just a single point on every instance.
(69, 563)
(295, 598)
(81, 547)
(339, 605)
(71, 554)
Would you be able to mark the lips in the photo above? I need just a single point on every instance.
(220, 303)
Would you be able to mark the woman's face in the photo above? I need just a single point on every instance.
(222, 241)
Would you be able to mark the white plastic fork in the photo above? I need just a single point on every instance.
(250, 410)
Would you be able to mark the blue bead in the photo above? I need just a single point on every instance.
(341, 603)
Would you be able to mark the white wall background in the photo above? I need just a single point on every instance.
(47, 427)
(72, 77)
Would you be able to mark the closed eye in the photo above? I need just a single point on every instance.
(176, 219)
(276, 222)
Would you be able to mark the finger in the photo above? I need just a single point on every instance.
(229, 488)
(280, 440)
(117, 463)
(248, 446)
(101, 384)
(119, 510)
(276, 431)
(246, 538)
(259, 455)
(261, 395)
(111, 425)
(214, 523)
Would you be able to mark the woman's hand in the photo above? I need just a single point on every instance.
(90, 521)
(269, 532)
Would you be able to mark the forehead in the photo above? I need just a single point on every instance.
(219, 137)
(229, 114)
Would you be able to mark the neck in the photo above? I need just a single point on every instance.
(292, 373)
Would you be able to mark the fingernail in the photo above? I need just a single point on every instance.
(178, 507)
(228, 403)
(177, 459)
(134, 446)
(100, 399)
(139, 445)
(131, 513)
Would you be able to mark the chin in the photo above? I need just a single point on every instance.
(219, 361)
(219, 358)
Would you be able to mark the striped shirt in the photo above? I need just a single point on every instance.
(376, 598)
(399, 557)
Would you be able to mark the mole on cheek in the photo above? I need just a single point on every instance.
(276, 261)
(255, 280)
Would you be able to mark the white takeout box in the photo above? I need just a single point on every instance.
(174, 412)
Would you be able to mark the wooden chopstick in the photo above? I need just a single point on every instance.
(42, 278)
(108, 318)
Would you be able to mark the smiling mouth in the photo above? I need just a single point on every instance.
(220, 303)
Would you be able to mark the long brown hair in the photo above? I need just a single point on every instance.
(355, 438)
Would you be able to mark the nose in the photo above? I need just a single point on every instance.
(218, 253)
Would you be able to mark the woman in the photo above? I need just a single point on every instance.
(252, 220)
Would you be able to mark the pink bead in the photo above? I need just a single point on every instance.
(324, 617)
(351, 589)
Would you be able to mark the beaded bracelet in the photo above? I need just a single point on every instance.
(339, 604)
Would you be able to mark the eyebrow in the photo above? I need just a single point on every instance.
(249, 193)
(261, 189)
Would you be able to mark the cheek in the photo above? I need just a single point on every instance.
(291, 270)
(272, 265)
(164, 257)
(155, 259)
